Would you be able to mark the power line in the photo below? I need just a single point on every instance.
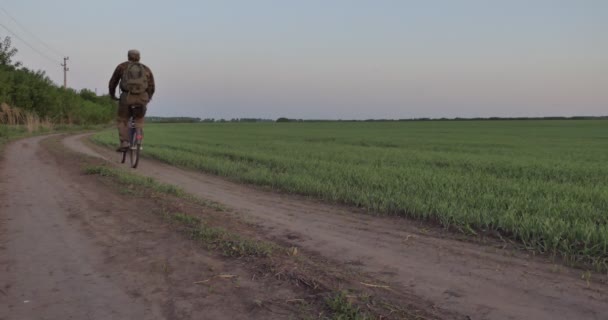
(30, 33)
(28, 44)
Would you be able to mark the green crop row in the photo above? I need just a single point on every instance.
(543, 183)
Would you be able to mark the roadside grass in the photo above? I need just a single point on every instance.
(543, 184)
(230, 244)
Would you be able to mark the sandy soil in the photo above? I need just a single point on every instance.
(469, 278)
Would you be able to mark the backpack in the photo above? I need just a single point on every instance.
(134, 79)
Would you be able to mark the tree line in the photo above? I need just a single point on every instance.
(206, 120)
(33, 91)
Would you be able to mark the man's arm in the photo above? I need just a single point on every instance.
(114, 80)
(151, 84)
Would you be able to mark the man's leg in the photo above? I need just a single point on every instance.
(122, 122)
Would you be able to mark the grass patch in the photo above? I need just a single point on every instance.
(215, 238)
(8, 133)
(130, 179)
(230, 244)
(343, 309)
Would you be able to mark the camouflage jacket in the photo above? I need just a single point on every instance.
(120, 69)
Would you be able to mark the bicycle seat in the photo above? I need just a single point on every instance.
(136, 110)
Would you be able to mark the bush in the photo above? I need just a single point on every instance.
(33, 92)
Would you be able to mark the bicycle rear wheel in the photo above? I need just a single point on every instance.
(134, 146)
(134, 154)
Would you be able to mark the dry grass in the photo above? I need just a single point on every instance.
(10, 116)
(16, 117)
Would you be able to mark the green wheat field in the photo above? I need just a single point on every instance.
(542, 183)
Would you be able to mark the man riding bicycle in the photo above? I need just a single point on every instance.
(137, 88)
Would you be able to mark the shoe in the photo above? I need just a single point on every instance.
(124, 146)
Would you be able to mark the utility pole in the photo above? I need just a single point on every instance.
(65, 71)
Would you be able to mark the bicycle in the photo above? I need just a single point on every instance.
(136, 136)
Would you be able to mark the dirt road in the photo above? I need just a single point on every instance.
(476, 280)
(52, 271)
(71, 248)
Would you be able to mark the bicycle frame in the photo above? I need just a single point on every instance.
(135, 139)
(135, 134)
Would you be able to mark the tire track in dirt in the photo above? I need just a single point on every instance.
(472, 279)
(71, 247)
(47, 266)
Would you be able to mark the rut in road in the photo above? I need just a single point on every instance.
(468, 278)
(72, 247)
(47, 265)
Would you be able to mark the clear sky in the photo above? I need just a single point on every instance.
(333, 59)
